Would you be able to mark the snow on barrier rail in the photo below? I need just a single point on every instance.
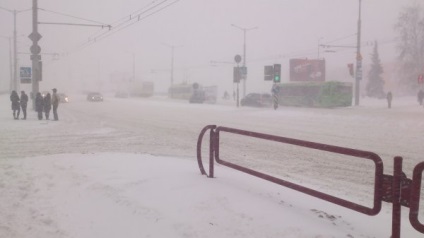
(396, 189)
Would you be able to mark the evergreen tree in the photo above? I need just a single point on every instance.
(375, 86)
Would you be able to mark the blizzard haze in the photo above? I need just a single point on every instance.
(126, 167)
(201, 32)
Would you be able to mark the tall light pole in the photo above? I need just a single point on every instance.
(172, 60)
(10, 61)
(319, 39)
(133, 67)
(358, 75)
(14, 82)
(244, 52)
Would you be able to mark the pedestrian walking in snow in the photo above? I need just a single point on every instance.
(389, 99)
(55, 104)
(14, 98)
(24, 103)
(47, 105)
(39, 105)
(420, 96)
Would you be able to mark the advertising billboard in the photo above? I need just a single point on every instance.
(307, 70)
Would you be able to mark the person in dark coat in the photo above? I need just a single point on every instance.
(389, 99)
(39, 105)
(47, 105)
(24, 103)
(14, 98)
(420, 96)
(55, 104)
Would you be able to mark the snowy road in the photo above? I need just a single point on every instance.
(163, 127)
(151, 125)
(159, 126)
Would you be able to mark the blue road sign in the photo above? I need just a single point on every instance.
(25, 72)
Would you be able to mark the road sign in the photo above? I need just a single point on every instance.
(237, 58)
(25, 80)
(32, 57)
(35, 49)
(34, 36)
(25, 72)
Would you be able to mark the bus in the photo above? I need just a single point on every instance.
(180, 91)
(315, 94)
(195, 93)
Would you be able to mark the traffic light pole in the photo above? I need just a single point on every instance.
(358, 75)
(244, 53)
(238, 97)
(35, 52)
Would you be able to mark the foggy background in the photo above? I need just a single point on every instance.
(204, 40)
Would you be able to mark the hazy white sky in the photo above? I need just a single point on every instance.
(201, 31)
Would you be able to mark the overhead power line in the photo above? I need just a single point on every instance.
(129, 20)
(67, 15)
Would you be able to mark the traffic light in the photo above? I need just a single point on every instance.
(350, 66)
(277, 73)
(269, 73)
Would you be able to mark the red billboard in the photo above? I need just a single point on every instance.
(307, 70)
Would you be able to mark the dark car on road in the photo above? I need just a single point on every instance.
(257, 100)
(95, 97)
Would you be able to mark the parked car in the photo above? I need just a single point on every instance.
(95, 97)
(63, 97)
(198, 96)
(257, 100)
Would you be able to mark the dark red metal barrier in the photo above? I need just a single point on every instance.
(211, 149)
(415, 197)
(396, 189)
(334, 149)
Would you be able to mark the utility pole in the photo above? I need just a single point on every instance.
(358, 75)
(35, 52)
(244, 53)
(172, 61)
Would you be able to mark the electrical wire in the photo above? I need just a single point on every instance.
(67, 15)
(123, 25)
(116, 24)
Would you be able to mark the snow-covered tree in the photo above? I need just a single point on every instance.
(410, 29)
(375, 85)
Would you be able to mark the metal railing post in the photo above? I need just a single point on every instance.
(396, 209)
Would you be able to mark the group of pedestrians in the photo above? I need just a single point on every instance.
(42, 104)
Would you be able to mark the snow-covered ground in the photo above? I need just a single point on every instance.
(127, 168)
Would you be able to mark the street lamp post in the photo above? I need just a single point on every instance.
(358, 75)
(172, 60)
(10, 61)
(15, 53)
(14, 83)
(244, 52)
